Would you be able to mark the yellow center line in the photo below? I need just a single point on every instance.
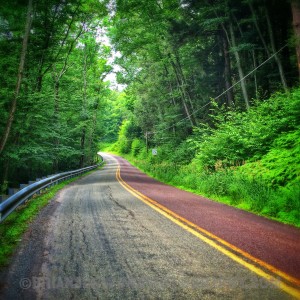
(215, 242)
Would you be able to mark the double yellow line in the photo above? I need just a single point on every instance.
(287, 283)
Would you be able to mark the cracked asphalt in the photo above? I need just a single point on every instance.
(97, 241)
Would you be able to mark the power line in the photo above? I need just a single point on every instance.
(224, 92)
(252, 71)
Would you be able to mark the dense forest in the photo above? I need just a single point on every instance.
(178, 55)
(52, 86)
(211, 84)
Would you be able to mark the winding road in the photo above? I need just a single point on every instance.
(119, 234)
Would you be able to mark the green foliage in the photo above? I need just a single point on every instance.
(128, 134)
(240, 136)
(281, 165)
(124, 143)
(212, 161)
(60, 113)
(114, 112)
(136, 147)
(176, 56)
(181, 153)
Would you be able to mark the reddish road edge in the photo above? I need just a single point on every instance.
(272, 242)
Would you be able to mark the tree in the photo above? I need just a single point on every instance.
(13, 106)
(296, 24)
(45, 136)
(175, 56)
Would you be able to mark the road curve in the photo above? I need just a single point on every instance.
(96, 240)
(272, 242)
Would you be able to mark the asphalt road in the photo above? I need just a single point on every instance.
(98, 241)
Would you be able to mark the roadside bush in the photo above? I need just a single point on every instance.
(235, 188)
(136, 147)
(183, 153)
(123, 143)
(241, 136)
(127, 134)
(281, 165)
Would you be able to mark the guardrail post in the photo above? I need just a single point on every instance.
(23, 185)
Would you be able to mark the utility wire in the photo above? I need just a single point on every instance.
(231, 87)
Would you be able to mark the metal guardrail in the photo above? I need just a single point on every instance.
(11, 203)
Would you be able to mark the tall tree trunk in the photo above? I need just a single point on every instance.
(227, 71)
(92, 135)
(82, 146)
(182, 92)
(258, 29)
(184, 81)
(84, 104)
(239, 66)
(56, 100)
(171, 92)
(56, 122)
(296, 25)
(19, 78)
(254, 75)
(45, 47)
(276, 56)
(57, 75)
